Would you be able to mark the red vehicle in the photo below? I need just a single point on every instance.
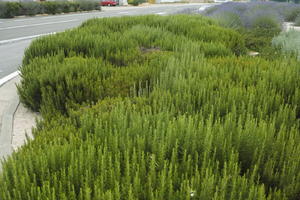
(108, 3)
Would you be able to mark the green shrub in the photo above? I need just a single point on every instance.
(88, 5)
(31, 8)
(266, 23)
(78, 80)
(2, 9)
(260, 36)
(224, 122)
(51, 7)
(10, 9)
(92, 41)
(136, 2)
(297, 20)
(66, 7)
(292, 15)
(156, 108)
(140, 44)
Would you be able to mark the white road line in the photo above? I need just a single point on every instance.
(123, 13)
(41, 18)
(160, 13)
(40, 24)
(24, 38)
(55, 16)
(9, 77)
(69, 15)
(22, 20)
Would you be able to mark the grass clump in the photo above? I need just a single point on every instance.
(172, 113)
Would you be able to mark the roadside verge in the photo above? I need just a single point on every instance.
(15, 120)
(8, 106)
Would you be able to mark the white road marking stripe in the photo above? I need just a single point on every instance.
(9, 77)
(69, 15)
(160, 13)
(55, 16)
(123, 12)
(22, 20)
(40, 24)
(49, 17)
(24, 38)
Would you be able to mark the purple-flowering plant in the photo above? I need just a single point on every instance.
(247, 14)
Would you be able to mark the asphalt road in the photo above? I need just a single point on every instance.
(17, 33)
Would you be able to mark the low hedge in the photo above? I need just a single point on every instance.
(9, 9)
(156, 107)
(135, 44)
(136, 2)
(224, 122)
(12, 9)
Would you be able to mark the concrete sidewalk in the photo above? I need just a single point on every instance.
(16, 121)
(287, 26)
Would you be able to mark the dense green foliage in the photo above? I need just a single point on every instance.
(12, 9)
(292, 14)
(140, 46)
(261, 34)
(136, 2)
(9, 9)
(181, 113)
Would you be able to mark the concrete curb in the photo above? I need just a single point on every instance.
(6, 129)
(9, 77)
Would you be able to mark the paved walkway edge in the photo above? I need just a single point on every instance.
(6, 129)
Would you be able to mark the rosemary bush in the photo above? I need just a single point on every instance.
(171, 121)
(139, 45)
